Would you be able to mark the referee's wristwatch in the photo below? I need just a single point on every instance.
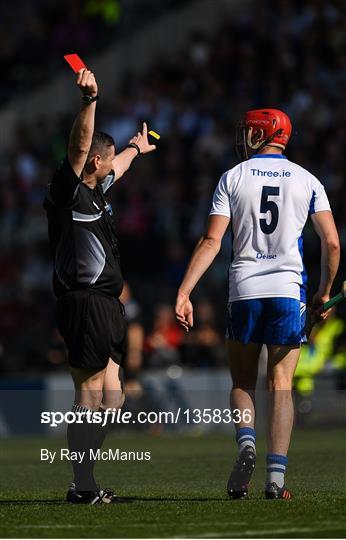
(87, 99)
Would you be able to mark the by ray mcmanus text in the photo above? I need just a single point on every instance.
(95, 455)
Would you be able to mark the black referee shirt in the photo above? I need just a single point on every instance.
(82, 233)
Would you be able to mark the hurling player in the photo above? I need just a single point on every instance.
(266, 199)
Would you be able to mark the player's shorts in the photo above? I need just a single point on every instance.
(273, 321)
(94, 328)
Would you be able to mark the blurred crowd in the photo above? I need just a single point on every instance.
(287, 54)
(35, 35)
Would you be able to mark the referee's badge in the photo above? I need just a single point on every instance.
(108, 208)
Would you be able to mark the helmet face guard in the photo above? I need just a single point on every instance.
(260, 128)
(249, 141)
(240, 142)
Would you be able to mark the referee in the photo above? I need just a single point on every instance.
(87, 280)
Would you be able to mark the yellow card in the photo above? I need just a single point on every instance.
(154, 134)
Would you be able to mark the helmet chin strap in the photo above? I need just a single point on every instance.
(277, 145)
(268, 140)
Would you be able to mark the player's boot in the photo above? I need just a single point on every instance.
(82, 497)
(108, 496)
(273, 491)
(102, 496)
(71, 492)
(238, 482)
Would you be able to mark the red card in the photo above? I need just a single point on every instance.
(75, 62)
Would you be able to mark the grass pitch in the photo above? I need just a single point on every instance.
(179, 493)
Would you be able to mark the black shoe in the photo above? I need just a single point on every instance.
(238, 482)
(273, 491)
(108, 496)
(82, 497)
(71, 492)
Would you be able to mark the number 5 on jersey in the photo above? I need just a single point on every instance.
(271, 206)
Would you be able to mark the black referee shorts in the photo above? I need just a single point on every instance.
(94, 328)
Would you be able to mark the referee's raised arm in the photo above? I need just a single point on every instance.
(83, 126)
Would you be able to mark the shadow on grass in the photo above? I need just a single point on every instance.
(120, 500)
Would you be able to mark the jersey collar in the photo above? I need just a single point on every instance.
(277, 156)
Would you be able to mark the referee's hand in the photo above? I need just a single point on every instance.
(86, 82)
(184, 311)
(141, 139)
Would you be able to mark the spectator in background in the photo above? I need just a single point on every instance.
(204, 348)
(163, 341)
(135, 338)
(137, 398)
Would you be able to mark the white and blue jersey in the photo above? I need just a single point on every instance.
(268, 199)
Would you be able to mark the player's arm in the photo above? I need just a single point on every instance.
(330, 256)
(202, 257)
(83, 126)
(122, 161)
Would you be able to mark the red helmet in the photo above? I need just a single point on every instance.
(260, 128)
